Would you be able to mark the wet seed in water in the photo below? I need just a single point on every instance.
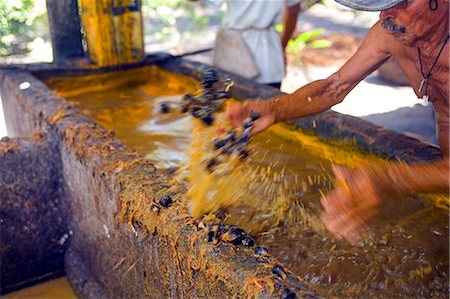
(243, 154)
(208, 120)
(219, 143)
(288, 294)
(237, 241)
(236, 232)
(278, 271)
(260, 250)
(166, 201)
(210, 237)
(165, 108)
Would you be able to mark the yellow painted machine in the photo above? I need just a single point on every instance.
(113, 31)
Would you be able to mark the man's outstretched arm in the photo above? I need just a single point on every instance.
(319, 95)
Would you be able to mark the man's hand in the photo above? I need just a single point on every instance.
(358, 193)
(353, 202)
(238, 112)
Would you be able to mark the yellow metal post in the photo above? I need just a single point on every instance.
(113, 31)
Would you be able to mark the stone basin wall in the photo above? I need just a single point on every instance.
(116, 245)
(33, 240)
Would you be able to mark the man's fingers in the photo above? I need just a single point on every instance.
(344, 218)
(262, 124)
(338, 200)
(235, 114)
(349, 229)
(348, 225)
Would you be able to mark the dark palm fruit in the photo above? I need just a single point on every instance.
(237, 241)
(196, 111)
(231, 136)
(219, 143)
(247, 241)
(165, 108)
(154, 208)
(236, 232)
(278, 271)
(254, 115)
(260, 250)
(210, 75)
(212, 163)
(206, 84)
(288, 294)
(166, 201)
(208, 119)
(210, 237)
(243, 154)
(188, 97)
(247, 123)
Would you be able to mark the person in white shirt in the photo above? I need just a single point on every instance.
(255, 21)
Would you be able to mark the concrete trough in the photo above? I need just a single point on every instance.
(97, 226)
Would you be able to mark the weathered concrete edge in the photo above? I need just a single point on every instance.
(31, 237)
(41, 110)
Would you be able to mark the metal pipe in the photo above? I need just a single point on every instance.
(65, 29)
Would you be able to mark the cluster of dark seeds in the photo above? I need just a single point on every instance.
(237, 236)
(210, 100)
(231, 234)
(233, 143)
(278, 270)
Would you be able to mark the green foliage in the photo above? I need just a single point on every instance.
(164, 9)
(308, 39)
(171, 12)
(20, 23)
(278, 27)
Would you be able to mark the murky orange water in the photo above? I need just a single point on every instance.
(275, 194)
(53, 289)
